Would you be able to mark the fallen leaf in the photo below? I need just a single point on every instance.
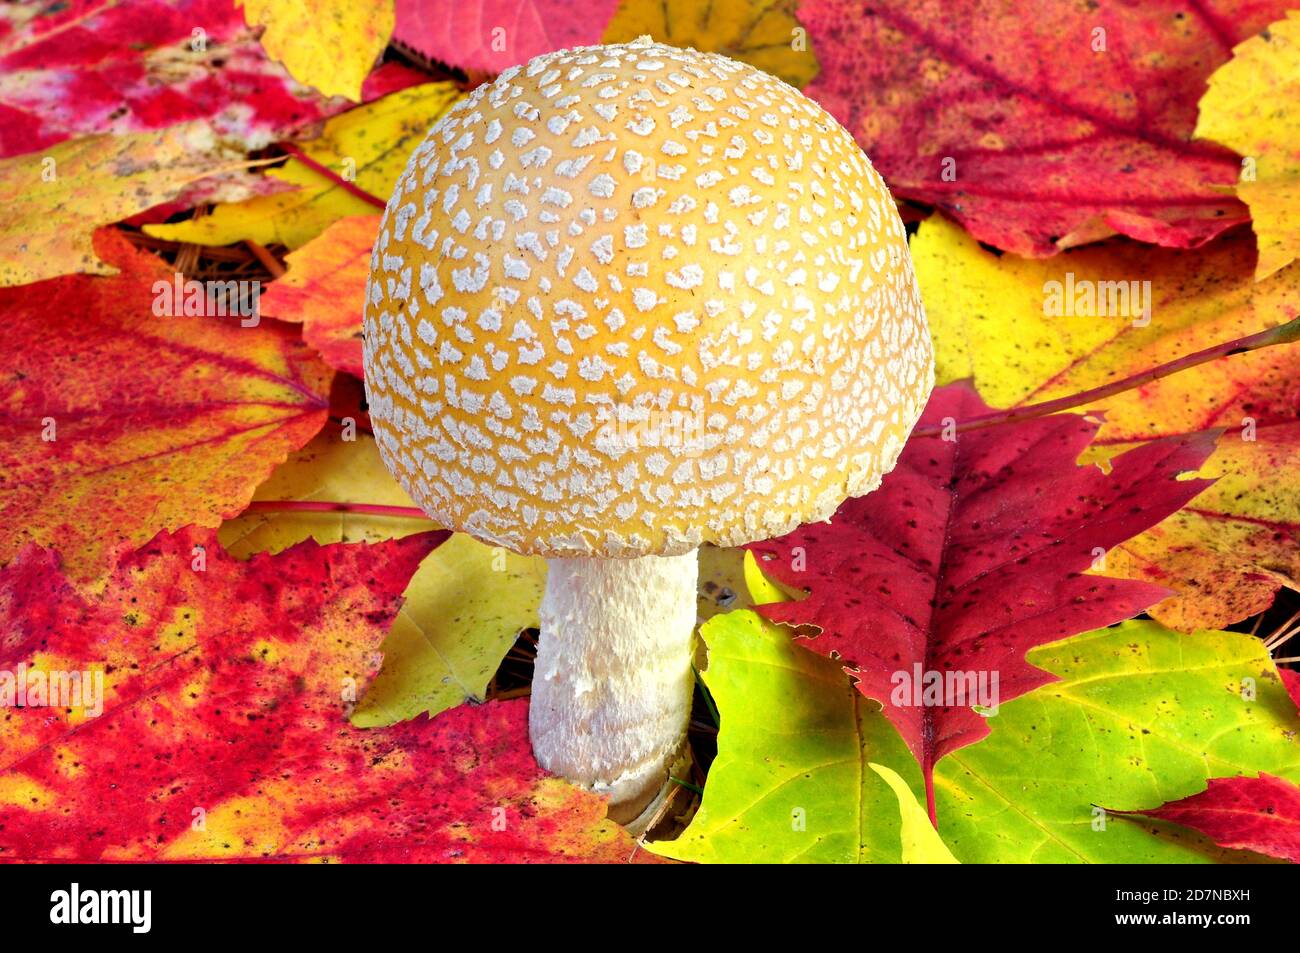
(1230, 550)
(330, 46)
(763, 33)
(1244, 813)
(55, 200)
(324, 290)
(489, 36)
(1253, 107)
(921, 842)
(1291, 679)
(73, 67)
(368, 145)
(119, 423)
(973, 551)
(1138, 715)
(222, 734)
(464, 607)
(790, 782)
(1038, 127)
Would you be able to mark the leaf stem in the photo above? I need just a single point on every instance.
(324, 170)
(321, 506)
(1288, 333)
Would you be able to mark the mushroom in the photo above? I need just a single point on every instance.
(625, 301)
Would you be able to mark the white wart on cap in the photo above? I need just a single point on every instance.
(629, 299)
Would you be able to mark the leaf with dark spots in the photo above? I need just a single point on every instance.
(489, 36)
(77, 69)
(1039, 126)
(1258, 814)
(997, 558)
(221, 731)
(127, 421)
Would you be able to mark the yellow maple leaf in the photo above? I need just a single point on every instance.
(368, 145)
(763, 33)
(56, 198)
(994, 318)
(1253, 106)
(463, 608)
(328, 44)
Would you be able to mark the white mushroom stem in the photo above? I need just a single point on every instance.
(613, 682)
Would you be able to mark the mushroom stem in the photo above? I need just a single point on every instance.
(613, 683)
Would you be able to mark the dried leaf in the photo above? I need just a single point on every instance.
(74, 67)
(369, 145)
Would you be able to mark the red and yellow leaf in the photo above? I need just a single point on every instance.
(973, 551)
(1253, 106)
(118, 422)
(1039, 126)
(1228, 553)
(325, 290)
(1260, 814)
(221, 729)
(74, 67)
(55, 200)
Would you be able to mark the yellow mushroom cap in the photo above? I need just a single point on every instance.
(630, 299)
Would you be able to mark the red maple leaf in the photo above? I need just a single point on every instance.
(1242, 813)
(1028, 125)
(92, 67)
(220, 730)
(1291, 680)
(972, 552)
(488, 36)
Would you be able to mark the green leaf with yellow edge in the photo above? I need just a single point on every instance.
(1234, 546)
(763, 33)
(921, 842)
(1142, 715)
(1253, 107)
(368, 145)
(790, 782)
(328, 44)
(464, 606)
(56, 198)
